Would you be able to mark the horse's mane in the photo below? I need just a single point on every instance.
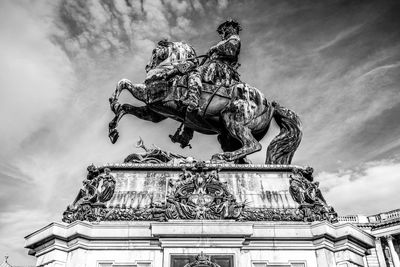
(180, 51)
(172, 53)
(176, 52)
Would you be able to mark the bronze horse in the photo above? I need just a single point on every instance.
(239, 114)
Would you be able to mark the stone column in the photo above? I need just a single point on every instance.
(379, 252)
(395, 256)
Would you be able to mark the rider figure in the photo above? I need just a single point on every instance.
(220, 68)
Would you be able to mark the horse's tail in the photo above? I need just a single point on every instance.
(282, 147)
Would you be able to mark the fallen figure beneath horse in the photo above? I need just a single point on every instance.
(238, 113)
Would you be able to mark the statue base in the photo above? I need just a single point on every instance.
(184, 214)
(162, 192)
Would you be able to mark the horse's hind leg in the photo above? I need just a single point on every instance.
(238, 130)
(229, 144)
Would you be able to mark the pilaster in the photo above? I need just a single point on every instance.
(395, 256)
(379, 252)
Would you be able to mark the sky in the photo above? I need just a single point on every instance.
(336, 63)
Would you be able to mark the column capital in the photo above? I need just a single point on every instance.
(389, 237)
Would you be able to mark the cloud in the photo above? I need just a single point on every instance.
(338, 90)
(368, 189)
(342, 35)
(17, 224)
(380, 70)
(179, 7)
(33, 80)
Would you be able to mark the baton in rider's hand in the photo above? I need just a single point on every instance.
(205, 57)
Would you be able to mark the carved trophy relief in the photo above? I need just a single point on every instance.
(98, 188)
(307, 193)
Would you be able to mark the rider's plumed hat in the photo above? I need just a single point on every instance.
(229, 23)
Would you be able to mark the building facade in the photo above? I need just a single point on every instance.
(385, 227)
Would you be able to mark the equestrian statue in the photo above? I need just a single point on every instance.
(208, 97)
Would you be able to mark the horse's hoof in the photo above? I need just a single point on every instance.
(173, 138)
(113, 135)
(115, 107)
(124, 84)
(218, 158)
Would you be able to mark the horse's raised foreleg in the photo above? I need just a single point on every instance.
(112, 126)
(138, 91)
(282, 147)
(144, 113)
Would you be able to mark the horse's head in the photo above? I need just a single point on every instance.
(159, 54)
(167, 53)
(163, 60)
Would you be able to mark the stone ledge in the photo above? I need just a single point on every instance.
(248, 235)
(67, 232)
(221, 166)
(202, 228)
(202, 242)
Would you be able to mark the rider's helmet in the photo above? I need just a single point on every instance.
(164, 42)
(229, 24)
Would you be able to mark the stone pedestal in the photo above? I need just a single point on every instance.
(199, 214)
(143, 191)
(249, 244)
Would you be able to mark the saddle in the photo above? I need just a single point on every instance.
(210, 95)
(175, 88)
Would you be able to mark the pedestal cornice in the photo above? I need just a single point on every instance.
(157, 235)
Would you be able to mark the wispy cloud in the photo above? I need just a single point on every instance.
(33, 80)
(342, 35)
(366, 189)
(339, 72)
(16, 224)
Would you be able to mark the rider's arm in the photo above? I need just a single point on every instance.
(228, 49)
(185, 67)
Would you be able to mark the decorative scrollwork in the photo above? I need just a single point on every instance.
(202, 260)
(271, 214)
